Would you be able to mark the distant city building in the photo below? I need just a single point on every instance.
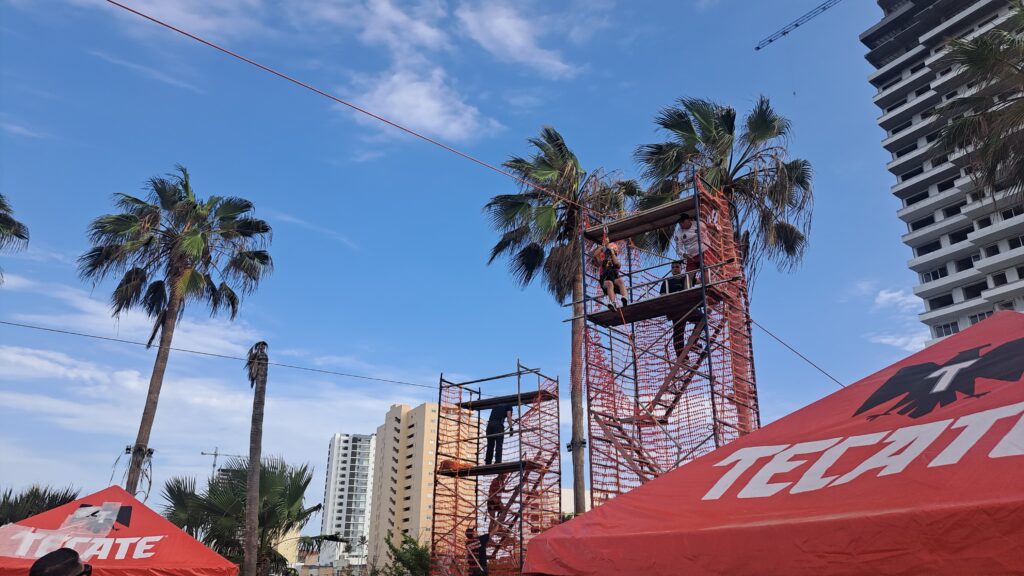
(967, 242)
(347, 495)
(403, 478)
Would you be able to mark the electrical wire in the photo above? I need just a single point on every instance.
(797, 352)
(213, 355)
(348, 104)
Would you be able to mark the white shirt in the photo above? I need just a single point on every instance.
(686, 242)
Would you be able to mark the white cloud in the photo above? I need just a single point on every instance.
(378, 22)
(322, 230)
(425, 102)
(510, 37)
(911, 341)
(151, 73)
(23, 131)
(219, 20)
(901, 300)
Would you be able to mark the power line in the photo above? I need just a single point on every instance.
(355, 107)
(214, 355)
(797, 352)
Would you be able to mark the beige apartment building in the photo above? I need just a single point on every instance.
(403, 478)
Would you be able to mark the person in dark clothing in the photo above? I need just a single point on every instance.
(675, 283)
(607, 257)
(496, 432)
(476, 552)
(62, 562)
(494, 503)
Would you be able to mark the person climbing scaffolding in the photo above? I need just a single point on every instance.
(607, 257)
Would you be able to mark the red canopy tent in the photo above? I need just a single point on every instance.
(917, 469)
(116, 534)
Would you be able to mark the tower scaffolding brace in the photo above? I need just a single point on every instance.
(509, 502)
(659, 397)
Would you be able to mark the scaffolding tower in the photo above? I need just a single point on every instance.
(670, 375)
(506, 502)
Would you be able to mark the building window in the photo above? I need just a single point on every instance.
(940, 302)
(928, 248)
(916, 198)
(953, 210)
(975, 318)
(918, 224)
(1011, 212)
(991, 250)
(999, 279)
(964, 264)
(1016, 242)
(1007, 305)
(915, 172)
(946, 329)
(933, 275)
(904, 151)
(1020, 273)
(984, 222)
(974, 290)
(960, 235)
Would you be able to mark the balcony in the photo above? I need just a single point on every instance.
(909, 135)
(913, 158)
(925, 207)
(1005, 292)
(899, 115)
(922, 181)
(934, 231)
(1000, 261)
(986, 205)
(941, 58)
(942, 285)
(891, 95)
(942, 31)
(998, 230)
(940, 256)
(954, 312)
(898, 64)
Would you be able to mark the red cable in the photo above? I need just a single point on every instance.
(344, 103)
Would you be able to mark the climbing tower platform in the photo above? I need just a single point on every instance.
(509, 500)
(670, 375)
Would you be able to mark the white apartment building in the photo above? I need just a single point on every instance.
(967, 242)
(347, 495)
(403, 478)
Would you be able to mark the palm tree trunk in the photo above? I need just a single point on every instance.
(576, 396)
(252, 486)
(156, 381)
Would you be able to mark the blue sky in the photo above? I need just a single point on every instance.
(379, 241)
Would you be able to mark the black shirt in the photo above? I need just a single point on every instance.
(476, 552)
(498, 415)
(673, 284)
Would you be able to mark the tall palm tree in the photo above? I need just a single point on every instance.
(13, 234)
(540, 236)
(36, 499)
(989, 123)
(256, 366)
(171, 249)
(216, 516)
(770, 193)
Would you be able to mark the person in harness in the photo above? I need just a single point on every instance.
(607, 257)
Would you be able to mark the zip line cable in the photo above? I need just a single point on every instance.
(795, 351)
(214, 355)
(355, 107)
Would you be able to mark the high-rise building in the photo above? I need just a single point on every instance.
(968, 246)
(347, 497)
(403, 478)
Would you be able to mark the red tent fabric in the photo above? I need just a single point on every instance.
(115, 533)
(917, 469)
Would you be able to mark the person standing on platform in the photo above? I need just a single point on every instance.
(607, 258)
(496, 432)
(676, 283)
(687, 247)
(476, 552)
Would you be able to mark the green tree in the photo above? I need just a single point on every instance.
(256, 366)
(988, 124)
(409, 559)
(13, 234)
(216, 516)
(171, 249)
(770, 193)
(540, 236)
(36, 499)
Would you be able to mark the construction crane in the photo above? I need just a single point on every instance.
(216, 452)
(797, 23)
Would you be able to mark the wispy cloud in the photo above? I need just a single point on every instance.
(23, 131)
(912, 340)
(425, 101)
(219, 20)
(322, 230)
(894, 312)
(146, 71)
(511, 37)
(901, 300)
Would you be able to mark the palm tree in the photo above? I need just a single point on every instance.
(770, 194)
(989, 123)
(541, 238)
(256, 366)
(13, 234)
(34, 500)
(216, 516)
(171, 249)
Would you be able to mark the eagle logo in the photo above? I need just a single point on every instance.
(922, 388)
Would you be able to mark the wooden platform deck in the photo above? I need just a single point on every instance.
(651, 219)
(488, 469)
(673, 304)
(514, 399)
